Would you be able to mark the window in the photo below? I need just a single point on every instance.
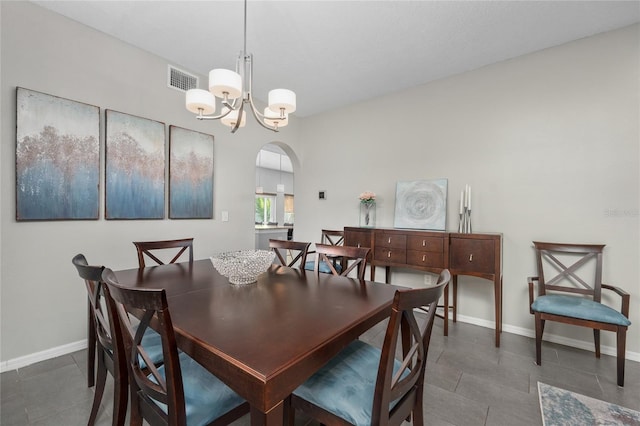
(288, 208)
(266, 209)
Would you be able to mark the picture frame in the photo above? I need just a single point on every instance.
(134, 167)
(190, 174)
(57, 158)
(421, 204)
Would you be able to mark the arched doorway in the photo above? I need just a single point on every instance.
(274, 199)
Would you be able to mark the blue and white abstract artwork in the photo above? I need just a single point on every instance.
(135, 167)
(190, 174)
(57, 158)
(421, 204)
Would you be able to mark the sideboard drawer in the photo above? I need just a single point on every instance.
(391, 240)
(417, 242)
(472, 255)
(384, 254)
(428, 259)
(358, 238)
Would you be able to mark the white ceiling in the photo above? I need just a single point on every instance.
(333, 53)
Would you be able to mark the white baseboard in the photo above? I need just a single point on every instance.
(23, 361)
(580, 344)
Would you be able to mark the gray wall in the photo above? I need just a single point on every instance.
(549, 143)
(505, 129)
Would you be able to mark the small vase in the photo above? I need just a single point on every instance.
(368, 215)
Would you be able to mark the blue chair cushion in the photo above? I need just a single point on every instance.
(152, 343)
(578, 307)
(346, 384)
(205, 396)
(323, 267)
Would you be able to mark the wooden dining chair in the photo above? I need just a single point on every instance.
(290, 253)
(329, 237)
(111, 356)
(145, 248)
(350, 258)
(572, 294)
(179, 392)
(366, 385)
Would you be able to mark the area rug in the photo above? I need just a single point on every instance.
(561, 407)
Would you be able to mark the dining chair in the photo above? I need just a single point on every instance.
(147, 247)
(366, 385)
(180, 391)
(350, 258)
(111, 357)
(290, 253)
(329, 237)
(571, 293)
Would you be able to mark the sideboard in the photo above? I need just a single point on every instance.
(478, 255)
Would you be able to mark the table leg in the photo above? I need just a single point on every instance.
(497, 284)
(274, 417)
(387, 275)
(454, 279)
(446, 310)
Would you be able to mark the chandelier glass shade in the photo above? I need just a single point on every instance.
(233, 89)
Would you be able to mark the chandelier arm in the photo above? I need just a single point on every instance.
(201, 116)
(239, 119)
(258, 116)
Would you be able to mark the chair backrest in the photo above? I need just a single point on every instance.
(572, 268)
(405, 385)
(332, 237)
(146, 248)
(350, 258)
(290, 253)
(106, 326)
(150, 306)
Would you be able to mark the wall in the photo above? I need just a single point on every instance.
(43, 301)
(549, 143)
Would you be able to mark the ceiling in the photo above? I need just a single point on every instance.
(334, 53)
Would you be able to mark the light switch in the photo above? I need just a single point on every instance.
(225, 216)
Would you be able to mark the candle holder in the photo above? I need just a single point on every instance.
(464, 225)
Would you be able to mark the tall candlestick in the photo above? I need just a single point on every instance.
(461, 202)
(469, 195)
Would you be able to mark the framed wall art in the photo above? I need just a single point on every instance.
(190, 174)
(135, 166)
(57, 158)
(421, 204)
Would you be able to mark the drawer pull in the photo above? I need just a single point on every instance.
(389, 253)
(389, 242)
(471, 257)
(424, 257)
(358, 245)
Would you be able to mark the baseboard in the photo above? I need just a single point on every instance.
(580, 344)
(23, 361)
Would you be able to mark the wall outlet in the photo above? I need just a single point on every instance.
(428, 280)
(225, 216)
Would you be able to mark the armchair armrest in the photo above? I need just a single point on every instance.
(623, 295)
(530, 281)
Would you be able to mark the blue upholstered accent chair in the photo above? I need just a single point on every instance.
(351, 258)
(110, 350)
(332, 238)
(146, 248)
(568, 296)
(290, 253)
(364, 385)
(180, 392)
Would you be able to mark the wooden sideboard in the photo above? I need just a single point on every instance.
(478, 255)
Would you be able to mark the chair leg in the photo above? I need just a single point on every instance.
(418, 413)
(91, 347)
(120, 394)
(135, 415)
(596, 341)
(101, 378)
(621, 339)
(539, 330)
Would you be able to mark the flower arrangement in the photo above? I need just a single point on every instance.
(367, 197)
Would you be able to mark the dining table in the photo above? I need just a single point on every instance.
(266, 338)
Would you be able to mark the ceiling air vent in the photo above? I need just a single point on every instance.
(181, 80)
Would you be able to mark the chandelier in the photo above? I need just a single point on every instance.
(234, 91)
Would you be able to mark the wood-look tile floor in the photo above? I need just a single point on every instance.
(469, 382)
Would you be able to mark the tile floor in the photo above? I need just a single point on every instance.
(469, 382)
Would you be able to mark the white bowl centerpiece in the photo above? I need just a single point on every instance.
(244, 266)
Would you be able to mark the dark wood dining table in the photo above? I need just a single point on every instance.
(264, 339)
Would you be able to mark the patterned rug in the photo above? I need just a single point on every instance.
(561, 407)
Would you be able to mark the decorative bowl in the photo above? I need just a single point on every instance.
(244, 266)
